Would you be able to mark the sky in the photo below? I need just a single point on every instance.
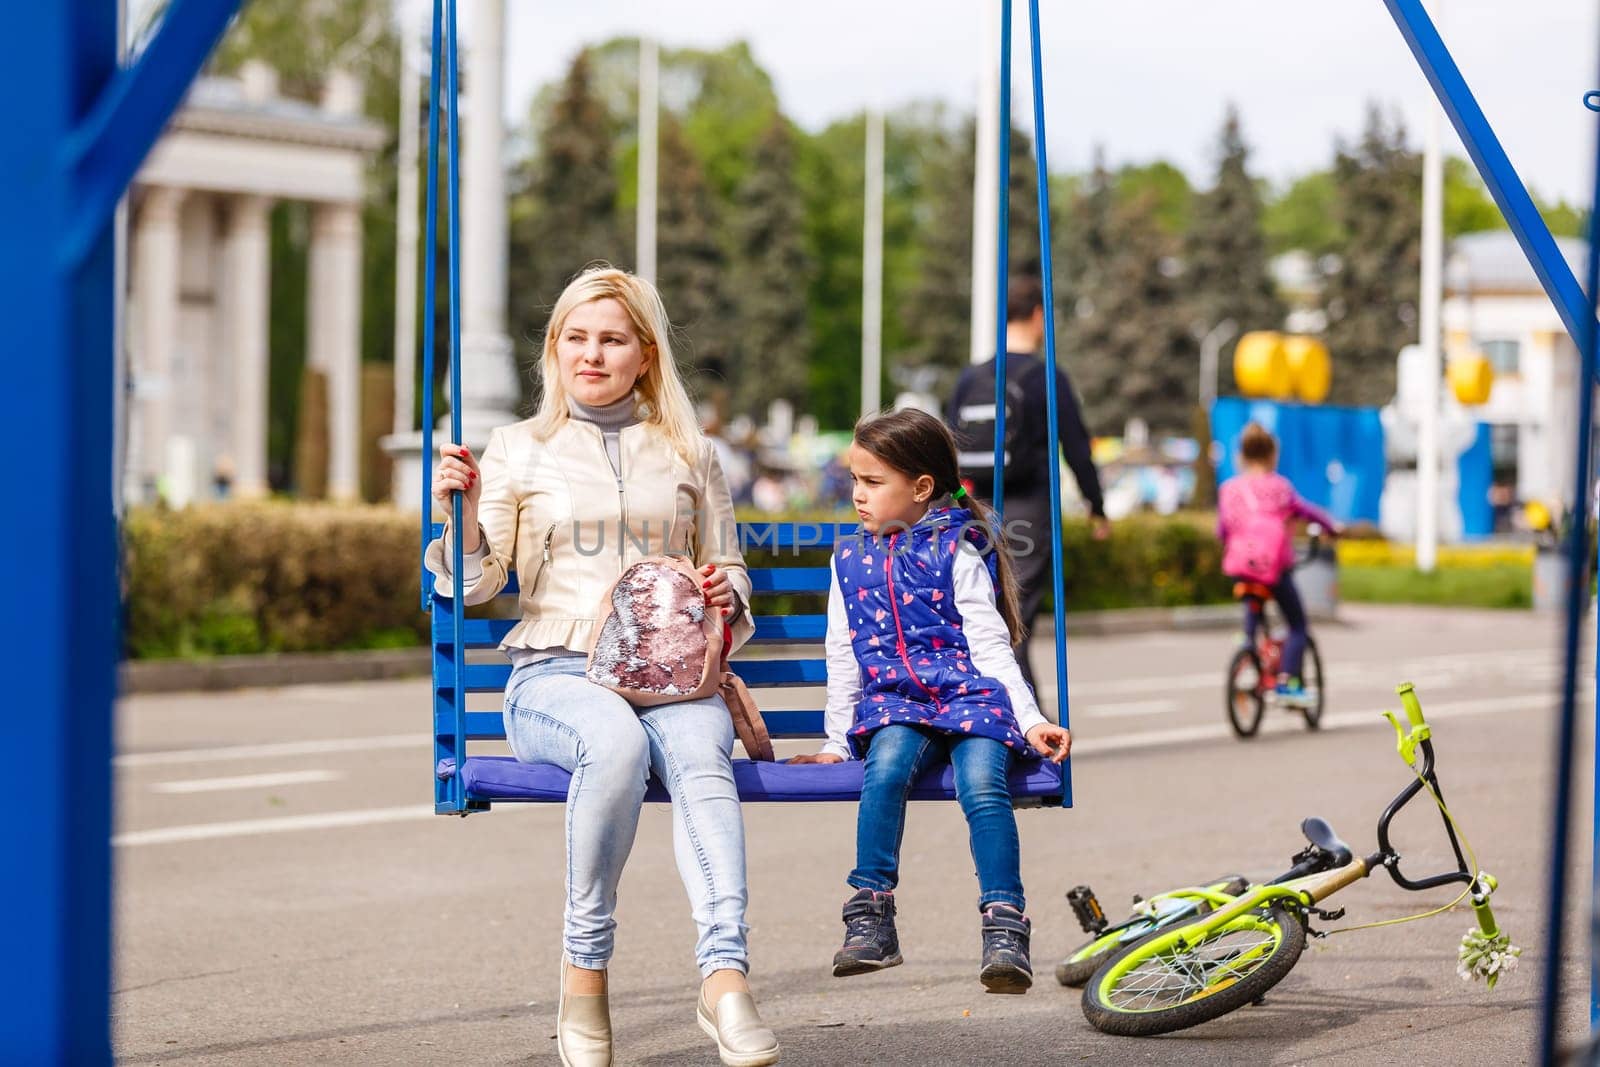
(1145, 80)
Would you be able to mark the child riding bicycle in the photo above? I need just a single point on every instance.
(1254, 511)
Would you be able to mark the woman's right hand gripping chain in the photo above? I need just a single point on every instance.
(458, 472)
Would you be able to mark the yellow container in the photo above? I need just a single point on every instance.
(1450, 557)
(1471, 379)
(1261, 367)
(1310, 369)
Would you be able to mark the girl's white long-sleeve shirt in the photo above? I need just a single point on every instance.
(988, 643)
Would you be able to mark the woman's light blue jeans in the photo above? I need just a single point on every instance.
(553, 714)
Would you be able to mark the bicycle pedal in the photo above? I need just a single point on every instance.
(1086, 906)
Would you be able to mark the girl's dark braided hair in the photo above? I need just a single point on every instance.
(916, 444)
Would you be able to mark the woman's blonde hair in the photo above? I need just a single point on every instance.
(663, 401)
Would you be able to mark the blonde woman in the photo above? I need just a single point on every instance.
(613, 467)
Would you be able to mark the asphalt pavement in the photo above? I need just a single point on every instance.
(285, 895)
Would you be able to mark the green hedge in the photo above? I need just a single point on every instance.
(1148, 561)
(269, 577)
(277, 577)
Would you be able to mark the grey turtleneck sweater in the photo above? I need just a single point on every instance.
(611, 419)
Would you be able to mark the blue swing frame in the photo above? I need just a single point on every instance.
(89, 123)
(465, 783)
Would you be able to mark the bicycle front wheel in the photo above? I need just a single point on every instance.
(1315, 683)
(1146, 990)
(1244, 693)
(1080, 966)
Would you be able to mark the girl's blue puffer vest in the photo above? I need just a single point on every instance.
(907, 635)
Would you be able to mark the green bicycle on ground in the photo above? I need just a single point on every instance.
(1191, 955)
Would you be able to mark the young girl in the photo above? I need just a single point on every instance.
(1254, 511)
(921, 670)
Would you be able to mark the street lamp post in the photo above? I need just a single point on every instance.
(1211, 343)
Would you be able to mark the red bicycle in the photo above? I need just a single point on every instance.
(1253, 671)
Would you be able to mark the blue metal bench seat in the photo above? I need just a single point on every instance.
(504, 778)
(490, 778)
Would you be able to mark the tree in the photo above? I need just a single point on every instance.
(1082, 253)
(1167, 185)
(1468, 207)
(691, 267)
(939, 304)
(564, 210)
(938, 307)
(1564, 219)
(1303, 218)
(1371, 295)
(831, 174)
(773, 268)
(1226, 261)
(1129, 353)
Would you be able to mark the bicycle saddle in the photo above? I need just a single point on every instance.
(1319, 833)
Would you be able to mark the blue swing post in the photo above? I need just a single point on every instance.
(430, 286)
(1577, 591)
(458, 605)
(1052, 400)
(1577, 596)
(1002, 266)
(73, 147)
(449, 624)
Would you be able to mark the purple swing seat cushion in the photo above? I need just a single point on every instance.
(504, 778)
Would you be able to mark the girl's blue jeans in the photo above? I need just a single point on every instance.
(896, 755)
(553, 714)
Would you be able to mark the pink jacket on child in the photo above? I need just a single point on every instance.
(1253, 516)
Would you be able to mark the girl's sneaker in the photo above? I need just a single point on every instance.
(1006, 967)
(870, 940)
(1291, 693)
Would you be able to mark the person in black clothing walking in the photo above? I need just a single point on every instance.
(971, 415)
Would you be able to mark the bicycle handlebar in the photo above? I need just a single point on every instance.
(1413, 706)
(1408, 741)
(1417, 740)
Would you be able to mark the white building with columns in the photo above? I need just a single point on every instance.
(199, 278)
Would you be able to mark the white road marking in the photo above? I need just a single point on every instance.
(271, 750)
(245, 781)
(1291, 722)
(328, 820)
(1131, 709)
(1128, 686)
(1450, 668)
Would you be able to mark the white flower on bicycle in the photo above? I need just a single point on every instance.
(1486, 957)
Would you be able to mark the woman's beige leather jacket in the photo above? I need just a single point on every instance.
(571, 525)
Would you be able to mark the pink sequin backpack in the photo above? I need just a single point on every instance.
(656, 642)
